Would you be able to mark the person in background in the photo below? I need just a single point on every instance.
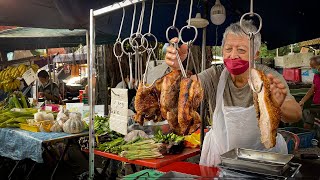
(311, 116)
(48, 89)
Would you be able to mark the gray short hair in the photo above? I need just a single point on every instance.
(248, 26)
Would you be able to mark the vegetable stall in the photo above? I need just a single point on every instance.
(28, 131)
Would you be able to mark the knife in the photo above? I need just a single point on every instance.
(309, 156)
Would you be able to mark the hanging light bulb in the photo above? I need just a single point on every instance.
(218, 13)
(198, 22)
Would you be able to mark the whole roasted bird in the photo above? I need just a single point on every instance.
(268, 114)
(147, 103)
(169, 97)
(190, 97)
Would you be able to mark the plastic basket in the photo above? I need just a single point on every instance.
(305, 137)
(292, 74)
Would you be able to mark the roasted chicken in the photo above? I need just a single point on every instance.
(191, 94)
(169, 97)
(147, 103)
(268, 114)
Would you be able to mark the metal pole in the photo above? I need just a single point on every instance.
(114, 7)
(203, 67)
(92, 74)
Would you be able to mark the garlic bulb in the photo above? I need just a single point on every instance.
(39, 116)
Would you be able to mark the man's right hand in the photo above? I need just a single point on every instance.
(171, 58)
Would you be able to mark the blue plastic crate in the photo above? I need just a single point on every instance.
(305, 137)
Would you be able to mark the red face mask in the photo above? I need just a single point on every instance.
(236, 66)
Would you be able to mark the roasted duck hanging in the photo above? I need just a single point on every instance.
(147, 103)
(169, 97)
(268, 114)
(190, 97)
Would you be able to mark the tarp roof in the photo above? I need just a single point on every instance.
(35, 38)
(23, 32)
(284, 22)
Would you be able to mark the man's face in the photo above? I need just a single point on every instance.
(236, 47)
(43, 81)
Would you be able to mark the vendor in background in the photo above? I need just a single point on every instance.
(311, 116)
(48, 89)
(234, 117)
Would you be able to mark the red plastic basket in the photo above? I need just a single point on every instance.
(292, 74)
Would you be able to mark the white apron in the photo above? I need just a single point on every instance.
(233, 127)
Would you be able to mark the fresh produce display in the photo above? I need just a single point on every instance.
(137, 149)
(74, 124)
(103, 133)
(192, 140)
(45, 126)
(101, 125)
(142, 149)
(8, 76)
(42, 115)
(13, 118)
(56, 127)
(174, 144)
(62, 116)
(168, 138)
(114, 146)
(14, 100)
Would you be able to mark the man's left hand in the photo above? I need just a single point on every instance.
(278, 90)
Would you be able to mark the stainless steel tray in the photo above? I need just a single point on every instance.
(257, 161)
(291, 172)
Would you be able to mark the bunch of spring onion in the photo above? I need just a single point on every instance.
(144, 149)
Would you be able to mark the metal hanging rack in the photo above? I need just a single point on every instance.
(90, 37)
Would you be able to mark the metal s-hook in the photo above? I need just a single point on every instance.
(175, 45)
(190, 42)
(258, 88)
(118, 42)
(189, 27)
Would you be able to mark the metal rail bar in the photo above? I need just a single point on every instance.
(114, 7)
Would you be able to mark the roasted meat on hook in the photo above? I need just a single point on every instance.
(147, 103)
(268, 114)
(169, 97)
(190, 97)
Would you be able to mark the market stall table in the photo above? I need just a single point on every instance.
(18, 144)
(151, 163)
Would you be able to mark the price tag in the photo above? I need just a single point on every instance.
(119, 110)
(29, 76)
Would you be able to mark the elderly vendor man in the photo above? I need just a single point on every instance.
(234, 116)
